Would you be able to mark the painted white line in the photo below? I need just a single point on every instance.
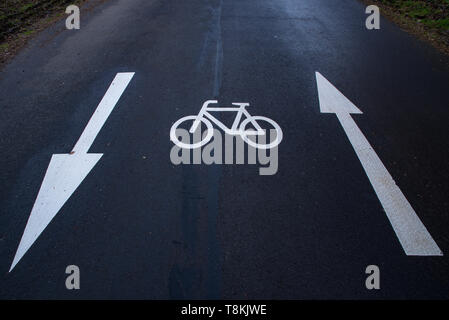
(66, 171)
(411, 232)
(103, 111)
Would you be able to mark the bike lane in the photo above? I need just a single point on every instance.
(142, 227)
(310, 230)
(138, 226)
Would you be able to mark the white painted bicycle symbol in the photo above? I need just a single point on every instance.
(205, 117)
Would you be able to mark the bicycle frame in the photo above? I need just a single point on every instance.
(234, 129)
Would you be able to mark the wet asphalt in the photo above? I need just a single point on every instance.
(140, 227)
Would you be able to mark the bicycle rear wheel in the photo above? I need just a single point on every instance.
(174, 135)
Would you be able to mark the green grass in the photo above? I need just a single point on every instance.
(18, 16)
(25, 7)
(437, 24)
(433, 14)
(27, 32)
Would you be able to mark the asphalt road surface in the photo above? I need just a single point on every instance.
(139, 226)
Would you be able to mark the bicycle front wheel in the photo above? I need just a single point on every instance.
(258, 120)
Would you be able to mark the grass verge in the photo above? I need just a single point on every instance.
(426, 19)
(20, 20)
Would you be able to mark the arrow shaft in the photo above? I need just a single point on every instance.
(102, 112)
(411, 232)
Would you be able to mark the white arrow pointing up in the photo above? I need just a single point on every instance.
(66, 171)
(412, 234)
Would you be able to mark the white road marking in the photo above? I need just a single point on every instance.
(66, 171)
(103, 111)
(412, 234)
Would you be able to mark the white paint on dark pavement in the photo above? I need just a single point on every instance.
(103, 111)
(411, 232)
(66, 171)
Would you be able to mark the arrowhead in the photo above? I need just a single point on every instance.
(64, 174)
(332, 100)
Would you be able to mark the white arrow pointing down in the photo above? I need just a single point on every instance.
(66, 171)
(411, 232)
